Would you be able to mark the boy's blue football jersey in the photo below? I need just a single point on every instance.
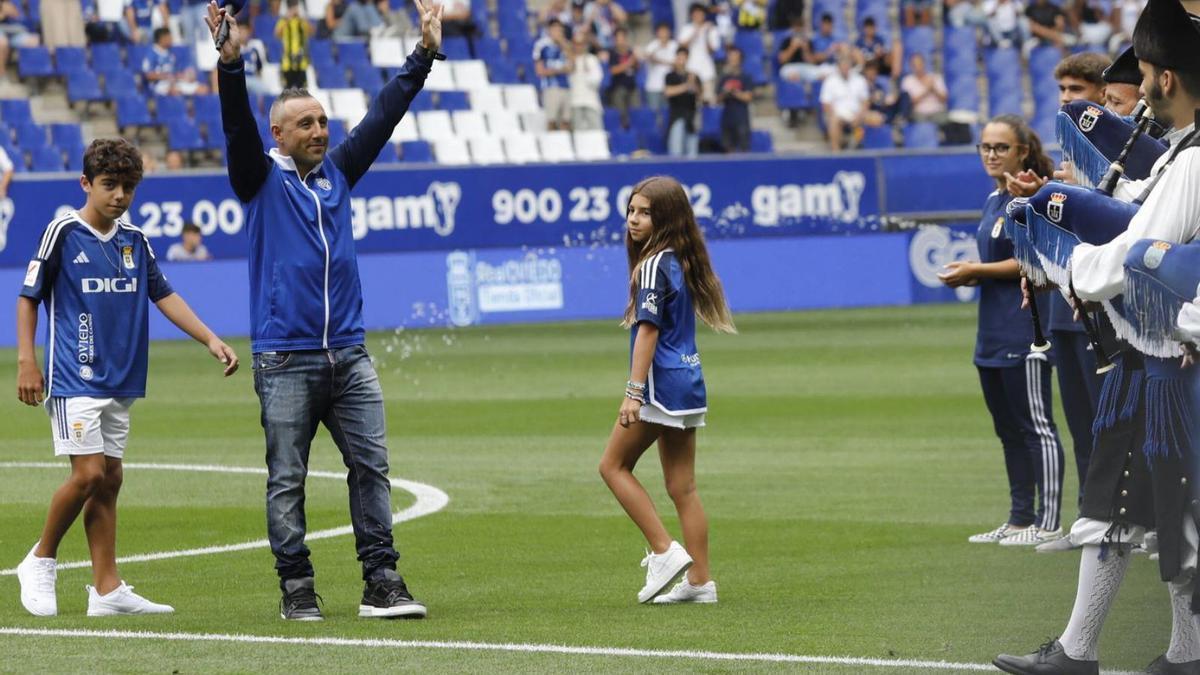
(676, 383)
(96, 290)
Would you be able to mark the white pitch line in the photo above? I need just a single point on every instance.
(429, 500)
(497, 647)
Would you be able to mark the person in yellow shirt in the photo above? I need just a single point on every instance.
(293, 31)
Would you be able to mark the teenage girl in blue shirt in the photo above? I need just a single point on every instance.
(1015, 380)
(671, 282)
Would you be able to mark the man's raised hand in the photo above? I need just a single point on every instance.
(431, 24)
(231, 50)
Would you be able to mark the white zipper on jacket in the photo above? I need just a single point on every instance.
(321, 231)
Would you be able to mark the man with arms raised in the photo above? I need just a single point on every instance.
(310, 365)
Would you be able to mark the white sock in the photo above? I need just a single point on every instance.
(1098, 584)
(1185, 640)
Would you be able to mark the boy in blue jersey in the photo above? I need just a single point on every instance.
(553, 65)
(95, 273)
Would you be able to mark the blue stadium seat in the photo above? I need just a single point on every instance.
(83, 87)
(387, 155)
(791, 95)
(662, 11)
(66, 136)
(264, 132)
(999, 62)
(622, 142)
(645, 120)
(135, 56)
(34, 62)
(169, 109)
(960, 39)
(69, 60)
(133, 111)
(878, 138)
(503, 71)
(274, 48)
(612, 120)
(184, 135)
(331, 76)
(367, 77)
(17, 157)
(963, 94)
(75, 161)
(710, 122)
(921, 135)
(514, 26)
(185, 57)
(1043, 60)
(320, 52)
(654, 142)
(46, 158)
(350, 53)
(207, 112)
(456, 47)
(454, 100)
(416, 151)
(30, 135)
(106, 57)
(1004, 101)
(264, 25)
(337, 132)
(488, 48)
(120, 83)
(1044, 127)
(761, 141)
(918, 40)
(15, 111)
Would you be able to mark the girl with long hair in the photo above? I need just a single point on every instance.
(1015, 379)
(671, 282)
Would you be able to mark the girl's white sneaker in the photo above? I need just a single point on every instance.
(686, 592)
(662, 569)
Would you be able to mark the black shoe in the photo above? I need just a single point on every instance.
(1049, 659)
(387, 597)
(299, 601)
(1161, 666)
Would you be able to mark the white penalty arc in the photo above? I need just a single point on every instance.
(429, 500)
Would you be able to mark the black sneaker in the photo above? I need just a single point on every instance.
(299, 601)
(1049, 659)
(388, 597)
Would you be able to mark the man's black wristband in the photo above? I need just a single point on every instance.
(429, 53)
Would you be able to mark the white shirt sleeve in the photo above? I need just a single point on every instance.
(1189, 320)
(1172, 213)
(1129, 190)
(6, 164)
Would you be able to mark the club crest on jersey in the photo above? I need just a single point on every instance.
(998, 228)
(650, 303)
(1087, 121)
(324, 184)
(77, 431)
(85, 372)
(1154, 255)
(127, 256)
(1054, 209)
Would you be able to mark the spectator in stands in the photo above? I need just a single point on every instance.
(161, 72)
(174, 161)
(826, 47)
(1048, 23)
(785, 13)
(577, 22)
(964, 13)
(191, 24)
(62, 26)
(358, 21)
(1123, 18)
(751, 14)
(926, 89)
(916, 12)
(293, 31)
(149, 163)
(605, 17)
(13, 33)
(334, 11)
(555, 9)
(622, 69)
(887, 103)
(190, 248)
(553, 68)
(6, 174)
(735, 92)
(254, 53)
(105, 19)
(1089, 22)
(142, 17)
(457, 21)
(1004, 22)
(1081, 76)
(701, 40)
(721, 14)
(871, 47)
(844, 98)
(659, 56)
(682, 89)
(586, 76)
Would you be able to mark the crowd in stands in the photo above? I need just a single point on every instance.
(868, 73)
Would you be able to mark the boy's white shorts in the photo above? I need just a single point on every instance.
(88, 426)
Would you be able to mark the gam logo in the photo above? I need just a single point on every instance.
(433, 210)
(118, 285)
(839, 200)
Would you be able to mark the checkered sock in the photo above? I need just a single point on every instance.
(1098, 584)
(1185, 641)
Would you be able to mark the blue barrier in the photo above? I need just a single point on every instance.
(506, 285)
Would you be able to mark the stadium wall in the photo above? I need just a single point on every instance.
(461, 246)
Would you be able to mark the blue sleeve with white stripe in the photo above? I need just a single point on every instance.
(654, 287)
(156, 282)
(43, 268)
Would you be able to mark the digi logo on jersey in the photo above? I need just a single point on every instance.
(433, 210)
(117, 285)
(85, 346)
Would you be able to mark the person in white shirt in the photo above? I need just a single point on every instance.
(701, 39)
(586, 76)
(844, 98)
(1004, 22)
(6, 174)
(190, 248)
(659, 55)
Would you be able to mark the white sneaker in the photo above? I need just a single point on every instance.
(1058, 545)
(37, 577)
(122, 600)
(662, 569)
(995, 535)
(1032, 536)
(684, 591)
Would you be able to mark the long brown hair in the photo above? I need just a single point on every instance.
(1036, 160)
(674, 227)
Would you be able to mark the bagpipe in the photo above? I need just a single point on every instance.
(1046, 228)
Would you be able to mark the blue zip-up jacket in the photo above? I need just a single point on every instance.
(305, 292)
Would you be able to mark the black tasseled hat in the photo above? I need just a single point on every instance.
(1167, 36)
(1124, 70)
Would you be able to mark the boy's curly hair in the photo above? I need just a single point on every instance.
(115, 157)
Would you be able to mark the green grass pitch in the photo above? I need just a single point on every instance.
(848, 456)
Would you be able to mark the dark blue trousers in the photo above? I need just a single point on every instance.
(1019, 399)
(1079, 386)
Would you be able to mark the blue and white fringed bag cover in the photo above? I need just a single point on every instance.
(1092, 137)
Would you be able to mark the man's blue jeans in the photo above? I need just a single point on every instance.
(337, 388)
